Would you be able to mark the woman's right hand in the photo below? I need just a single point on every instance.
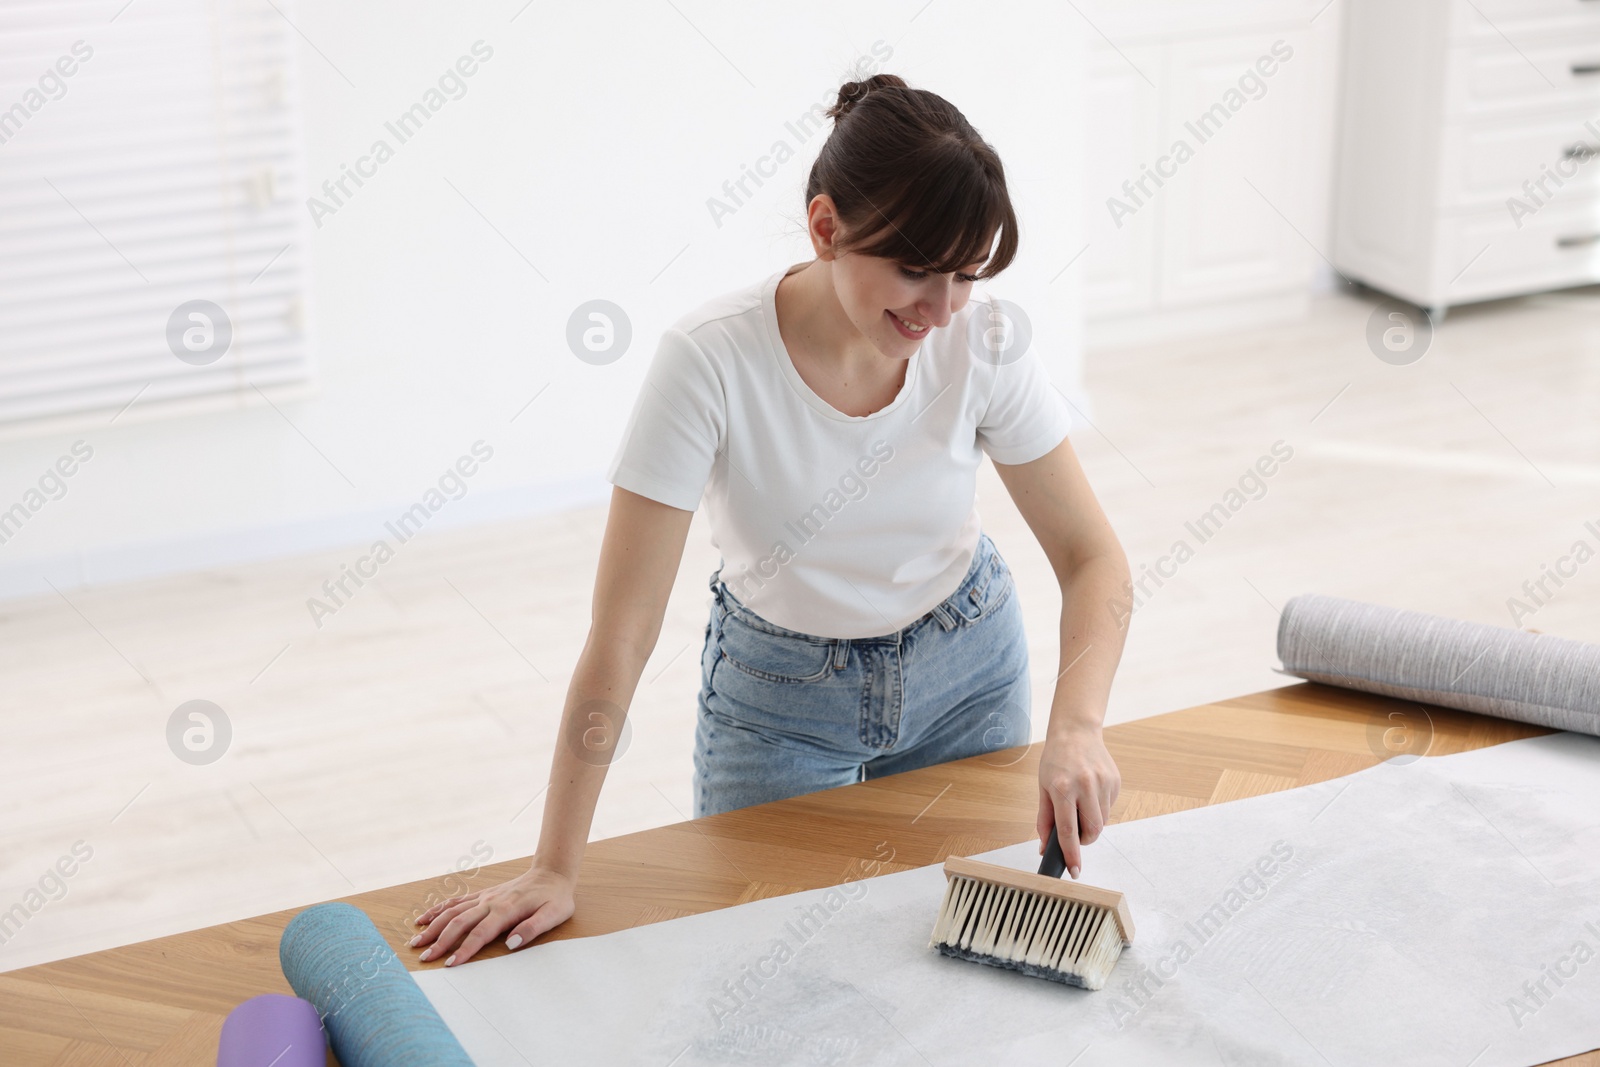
(537, 900)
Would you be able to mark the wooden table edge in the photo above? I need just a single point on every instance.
(163, 1000)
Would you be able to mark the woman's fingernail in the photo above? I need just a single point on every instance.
(1074, 872)
(451, 961)
(425, 953)
(513, 941)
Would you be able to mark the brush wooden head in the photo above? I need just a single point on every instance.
(1061, 888)
(1051, 928)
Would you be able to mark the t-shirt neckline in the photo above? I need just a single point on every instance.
(780, 353)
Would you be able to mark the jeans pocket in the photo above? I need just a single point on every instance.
(985, 592)
(773, 657)
(708, 653)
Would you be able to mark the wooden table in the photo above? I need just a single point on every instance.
(163, 1001)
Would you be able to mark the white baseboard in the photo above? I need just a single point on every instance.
(1121, 331)
(222, 548)
(234, 547)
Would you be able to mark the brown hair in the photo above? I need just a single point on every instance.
(913, 181)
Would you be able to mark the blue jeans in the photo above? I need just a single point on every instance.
(784, 713)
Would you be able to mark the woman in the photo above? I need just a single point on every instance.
(833, 417)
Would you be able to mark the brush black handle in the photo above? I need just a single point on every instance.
(1054, 863)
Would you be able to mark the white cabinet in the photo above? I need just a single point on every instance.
(1225, 239)
(1470, 148)
(1207, 164)
(1122, 124)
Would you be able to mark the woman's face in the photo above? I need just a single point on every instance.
(876, 292)
(881, 296)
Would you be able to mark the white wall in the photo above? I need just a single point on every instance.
(591, 141)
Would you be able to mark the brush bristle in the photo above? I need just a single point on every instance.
(1066, 941)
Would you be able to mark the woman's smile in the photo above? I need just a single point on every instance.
(905, 330)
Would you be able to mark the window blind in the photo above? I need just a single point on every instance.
(152, 244)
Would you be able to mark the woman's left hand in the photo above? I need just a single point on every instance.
(1078, 784)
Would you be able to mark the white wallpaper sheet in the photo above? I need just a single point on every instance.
(1438, 911)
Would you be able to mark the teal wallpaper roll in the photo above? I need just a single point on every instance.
(372, 1010)
(1535, 678)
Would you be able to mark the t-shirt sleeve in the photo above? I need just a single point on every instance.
(677, 426)
(1026, 416)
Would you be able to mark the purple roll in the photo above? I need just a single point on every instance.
(275, 1029)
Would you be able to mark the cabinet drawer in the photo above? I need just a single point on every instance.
(1549, 72)
(1488, 19)
(1482, 163)
(1558, 246)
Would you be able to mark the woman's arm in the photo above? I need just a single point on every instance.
(639, 558)
(1078, 780)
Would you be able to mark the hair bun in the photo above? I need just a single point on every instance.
(852, 93)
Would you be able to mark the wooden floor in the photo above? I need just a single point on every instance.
(412, 733)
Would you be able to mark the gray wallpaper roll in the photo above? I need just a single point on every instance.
(1534, 678)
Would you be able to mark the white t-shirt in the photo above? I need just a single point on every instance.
(830, 524)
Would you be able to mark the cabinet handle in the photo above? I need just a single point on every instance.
(1579, 241)
(1581, 151)
(1580, 69)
